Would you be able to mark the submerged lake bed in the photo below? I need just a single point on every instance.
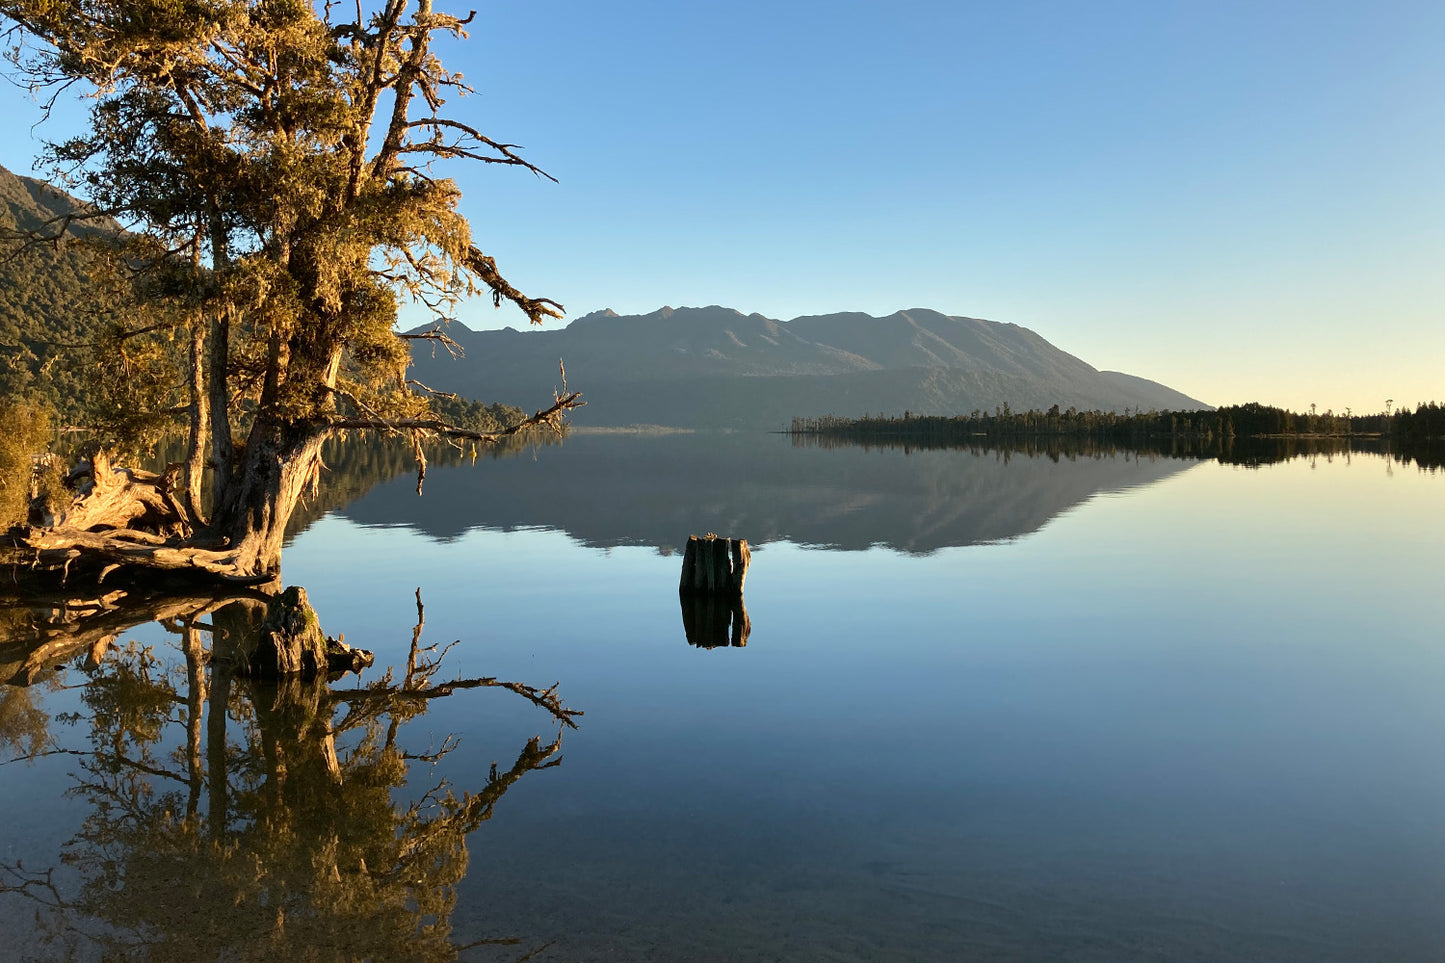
(1114, 707)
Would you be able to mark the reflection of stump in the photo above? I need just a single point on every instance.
(711, 621)
(293, 719)
(714, 566)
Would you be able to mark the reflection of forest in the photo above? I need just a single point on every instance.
(231, 819)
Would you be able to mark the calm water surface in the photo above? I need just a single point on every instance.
(1102, 709)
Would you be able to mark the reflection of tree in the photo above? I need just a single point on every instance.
(24, 726)
(301, 849)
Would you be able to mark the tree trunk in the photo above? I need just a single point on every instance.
(279, 463)
(200, 417)
(223, 452)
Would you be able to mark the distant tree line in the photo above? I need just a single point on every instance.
(1253, 420)
(1423, 425)
(1244, 452)
(1131, 428)
(1232, 434)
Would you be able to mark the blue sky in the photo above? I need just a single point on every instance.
(1245, 201)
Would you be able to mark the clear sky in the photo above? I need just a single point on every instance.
(1245, 201)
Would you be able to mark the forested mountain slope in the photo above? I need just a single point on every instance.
(50, 300)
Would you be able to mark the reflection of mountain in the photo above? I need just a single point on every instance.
(608, 490)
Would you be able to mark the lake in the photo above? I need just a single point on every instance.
(991, 707)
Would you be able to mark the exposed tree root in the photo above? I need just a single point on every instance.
(107, 497)
(75, 553)
(109, 519)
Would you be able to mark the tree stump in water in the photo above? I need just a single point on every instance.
(713, 572)
(289, 643)
(714, 566)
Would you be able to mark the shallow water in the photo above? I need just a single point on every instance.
(1105, 709)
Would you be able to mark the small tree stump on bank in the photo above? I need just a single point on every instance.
(714, 566)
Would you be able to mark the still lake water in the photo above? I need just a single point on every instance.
(1107, 708)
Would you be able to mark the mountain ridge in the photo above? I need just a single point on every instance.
(715, 366)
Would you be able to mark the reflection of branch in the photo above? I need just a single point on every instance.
(477, 809)
(44, 753)
(15, 878)
(388, 694)
(63, 626)
(545, 698)
(116, 761)
(416, 686)
(450, 742)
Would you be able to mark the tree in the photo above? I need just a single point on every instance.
(275, 170)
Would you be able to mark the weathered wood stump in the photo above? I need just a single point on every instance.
(713, 572)
(289, 643)
(714, 566)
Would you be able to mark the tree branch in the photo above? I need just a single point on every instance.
(547, 417)
(484, 267)
(435, 333)
(507, 151)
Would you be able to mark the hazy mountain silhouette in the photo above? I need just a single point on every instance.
(609, 490)
(716, 367)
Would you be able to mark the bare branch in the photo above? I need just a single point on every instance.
(550, 417)
(484, 267)
(431, 391)
(507, 151)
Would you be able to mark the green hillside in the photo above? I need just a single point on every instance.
(50, 302)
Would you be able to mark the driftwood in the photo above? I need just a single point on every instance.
(107, 497)
(115, 518)
(66, 552)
